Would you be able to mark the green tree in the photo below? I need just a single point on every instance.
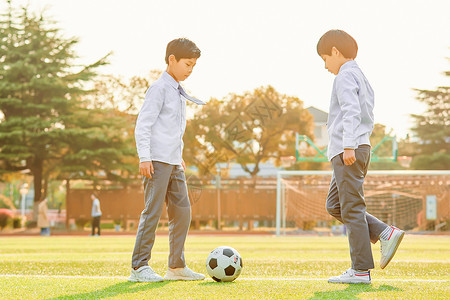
(100, 134)
(433, 130)
(99, 144)
(39, 87)
(248, 129)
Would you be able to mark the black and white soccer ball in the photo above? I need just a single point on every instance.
(224, 264)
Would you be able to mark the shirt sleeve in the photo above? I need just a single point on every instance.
(347, 94)
(153, 102)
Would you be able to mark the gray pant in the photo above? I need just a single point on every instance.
(345, 202)
(168, 184)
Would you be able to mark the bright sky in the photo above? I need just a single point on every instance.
(403, 44)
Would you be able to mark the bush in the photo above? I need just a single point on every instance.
(16, 222)
(107, 226)
(308, 225)
(385, 165)
(81, 222)
(31, 224)
(3, 221)
(5, 215)
(435, 161)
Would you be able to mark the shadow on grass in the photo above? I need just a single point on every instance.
(116, 289)
(352, 290)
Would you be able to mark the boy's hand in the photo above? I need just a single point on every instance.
(146, 169)
(183, 164)
(349, 157)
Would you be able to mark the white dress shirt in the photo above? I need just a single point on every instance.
(350, 120)
(96, 211)
(161, 122)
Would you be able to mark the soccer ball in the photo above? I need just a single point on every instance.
(224, 264)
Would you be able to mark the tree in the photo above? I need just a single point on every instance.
(433, 130)
(99, 145)
(39, 88)
(100, 134)
(378, 133)
(249, 129)
(120, 94)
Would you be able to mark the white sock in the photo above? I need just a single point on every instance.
(363, 274)
(386, 234)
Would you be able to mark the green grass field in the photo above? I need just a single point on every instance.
(274, 268)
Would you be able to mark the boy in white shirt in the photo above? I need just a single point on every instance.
(159, 140)
(350, 123)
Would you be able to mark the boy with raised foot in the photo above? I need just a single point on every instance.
(350, 123)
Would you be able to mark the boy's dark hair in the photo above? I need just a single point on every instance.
(182, 48)
(340, 39)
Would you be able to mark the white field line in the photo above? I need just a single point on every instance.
(240, 279)
(248, 260)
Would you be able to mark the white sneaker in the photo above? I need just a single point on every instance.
(144, 274)
(352, 276)
(390, 239)
(183, 274)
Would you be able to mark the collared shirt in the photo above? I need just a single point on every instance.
(351, 120)
(161, 123)
(96, 211)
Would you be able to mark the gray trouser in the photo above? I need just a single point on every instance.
(345, 202)
(168, 184)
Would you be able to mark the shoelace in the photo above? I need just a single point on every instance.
(347, 272)
(381, 246)
(147, 272)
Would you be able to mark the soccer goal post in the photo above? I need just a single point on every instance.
(407, 199)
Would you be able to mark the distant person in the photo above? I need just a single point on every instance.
(43, 222)
(96, 213)
(350, 123)
(159, 140)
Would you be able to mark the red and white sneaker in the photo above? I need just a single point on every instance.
(352, 276)
(390, 239)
